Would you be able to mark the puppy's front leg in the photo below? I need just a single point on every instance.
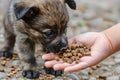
(27, 49)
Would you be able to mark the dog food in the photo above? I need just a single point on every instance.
(73, 53)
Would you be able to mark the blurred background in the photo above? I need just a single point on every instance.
(91, 15)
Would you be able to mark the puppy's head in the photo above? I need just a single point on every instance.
(48, 18)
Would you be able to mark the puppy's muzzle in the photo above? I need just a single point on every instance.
(60, 46)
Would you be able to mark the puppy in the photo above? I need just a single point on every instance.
(31, 22)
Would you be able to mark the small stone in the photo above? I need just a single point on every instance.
(3, 75)
(73, 76)
(93, 78)
(117, 69)
(83, 72)
(14, 79)
(16, 63)
(113, 78)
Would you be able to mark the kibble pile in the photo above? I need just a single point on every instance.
(73, 53)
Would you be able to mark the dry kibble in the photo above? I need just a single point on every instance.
(77, 61)
(87, 50)
(3, 58)
(65, 59)
(47, 77)
(57, 58)
(70, 61)
(14, 72)
(73, 58)
(1, 70)
(102, 77)
(69, 54)
(18, 69)
(8, 59)
(77, 50)
(65, 54)
(93, 67)
(90, 72)
(72, 47)
(12, 66)
(12, 69)
(67, 51)
(10, 74)
(87, 54)
(79, 55)
(82, 50)
(3, 63)
(73, 53)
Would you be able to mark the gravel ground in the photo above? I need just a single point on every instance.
(95, 15)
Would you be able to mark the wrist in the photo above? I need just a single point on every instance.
(112, 34)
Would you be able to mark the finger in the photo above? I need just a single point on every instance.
(49, 56)
(49, 64)
(61, 66)
(77, 67)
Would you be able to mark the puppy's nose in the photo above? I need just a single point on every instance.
(58, 44)
(62, 45)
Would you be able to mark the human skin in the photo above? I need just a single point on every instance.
(103, 44)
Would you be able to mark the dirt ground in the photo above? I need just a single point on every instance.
(91, 15)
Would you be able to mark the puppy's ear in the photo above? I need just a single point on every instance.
(22, 11)
(71, 4)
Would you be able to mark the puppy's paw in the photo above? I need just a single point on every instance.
(6, 54)
(52, 72)
(30, 74)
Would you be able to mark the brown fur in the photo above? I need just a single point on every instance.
(27, 32)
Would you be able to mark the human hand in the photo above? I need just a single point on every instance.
(101, 48)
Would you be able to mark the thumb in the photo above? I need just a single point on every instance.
(86, 39)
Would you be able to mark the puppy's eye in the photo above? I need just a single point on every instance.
(50, 33)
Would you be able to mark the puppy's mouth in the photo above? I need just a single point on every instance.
(56, 50)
